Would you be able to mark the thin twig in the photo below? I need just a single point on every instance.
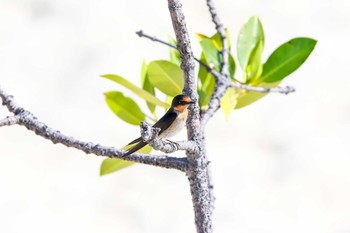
(215, 73)
(219, 78)
(155, 39)
(282, 90)
(28, 120)
(219, 26)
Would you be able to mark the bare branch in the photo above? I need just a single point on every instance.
(10, 120)
(282, 90)
(28, 120)
(155, 39)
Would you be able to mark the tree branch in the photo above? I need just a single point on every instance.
(282, 90)
(27, 119)
(149, 135)
(155, 39)
(219, 26)
(197, 162)
(219, 78)
(10, 120)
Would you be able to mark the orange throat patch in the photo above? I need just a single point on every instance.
(180, 108)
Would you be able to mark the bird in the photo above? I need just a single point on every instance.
(170, 124)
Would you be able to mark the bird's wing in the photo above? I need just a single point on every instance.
(163, 124)
(165, 121)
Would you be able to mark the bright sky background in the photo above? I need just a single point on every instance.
(280, 165)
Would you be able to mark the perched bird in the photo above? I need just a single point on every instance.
(170, 124)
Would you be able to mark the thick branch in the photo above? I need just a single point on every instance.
(197, 162)
(149, 135)
(28, 120)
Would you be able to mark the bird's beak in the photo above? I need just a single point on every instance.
(191, 102)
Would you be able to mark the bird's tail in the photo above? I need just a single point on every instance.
(137, 147)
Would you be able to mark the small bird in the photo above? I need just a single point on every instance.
(170, 124)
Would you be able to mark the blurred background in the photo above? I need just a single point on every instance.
(279, 165)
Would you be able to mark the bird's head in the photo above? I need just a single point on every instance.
(181, 102)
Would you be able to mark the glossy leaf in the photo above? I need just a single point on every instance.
(229, 101)
(112, 165)
(147, 86)
(246, 98)
(211, 53)
(174, 54)
(254, 68)
(249, 36)
(207, 83)
(202, 36)
(138, 91)
(287, 58)
(232, 66)
(166, 76)
(217, 38)
(206, 90)
(124, 107)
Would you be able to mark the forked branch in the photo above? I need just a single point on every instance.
(27, 119)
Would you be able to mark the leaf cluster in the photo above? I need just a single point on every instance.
(165, 77)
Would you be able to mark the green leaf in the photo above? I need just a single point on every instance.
(217, 39)
(207, 83)
(147, 86)
(287, 58)
(124, 107)
(246, 98)
(112, 165)
(232, 66)
(166, 76)
(206, 90)
(229, 101)
(174, 54)
(202, 36)
(138, 91)
(255, 67)
(211, 53)
(251, 33)
(143, 72)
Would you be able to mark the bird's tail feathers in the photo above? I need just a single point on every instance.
(135, 148)
(136, 140)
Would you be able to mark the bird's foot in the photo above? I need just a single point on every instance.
(175, 145)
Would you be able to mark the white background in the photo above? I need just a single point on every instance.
(280, 165)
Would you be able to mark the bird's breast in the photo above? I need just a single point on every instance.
(176, 126)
